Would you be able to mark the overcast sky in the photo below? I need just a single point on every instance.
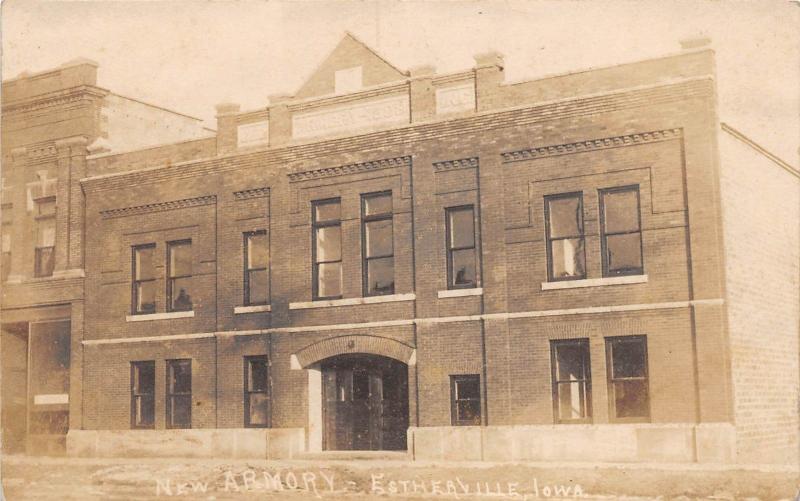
(190, 55)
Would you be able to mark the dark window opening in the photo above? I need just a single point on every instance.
(5, 264)
(465, 400)
(462, 270)
(256, 392)
(179, 393)
(256, 268)
(627, 375)
(377, 246)
(566, 253)
(143, 398)
(179, 272)
(572, 380)
(44, 252)
(621, 231)
(144, 279)
(326, 231)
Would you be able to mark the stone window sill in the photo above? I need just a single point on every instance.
(476, 291)
(353, 301)
(257, 308)
(594, 282)
(159, 316)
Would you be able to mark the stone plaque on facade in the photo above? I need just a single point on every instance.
(455, 99)
(342, 118)
(253, 134)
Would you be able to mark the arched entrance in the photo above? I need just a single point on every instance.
(364, 402)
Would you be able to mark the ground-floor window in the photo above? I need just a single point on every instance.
(143, 383)
(572, 381)
(179, 393)
(627, 378)
(256, 391)
(465, 400)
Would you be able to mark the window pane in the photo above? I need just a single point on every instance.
(329, 211)
(462, 228)
(629, 359)
(144, 263)
(180, 376)
(144, 378)
(378, 238)
(259, 407)
(45, 261)
(624, 252)
(46, 233)
(146, 297)
(180, 259)
(463, 262)
(258, 375)
(258, 287)
(621, 211)
(181, 411)
(257, 251)
(570, 362)
(181, 297)
(567, 258)
(469, 412)
(380, 276)
(329, 244)
(144, 412)
(630, 398)
(571, 401)
(468, 387)
(566, 217)
(378, 204)
(329, 279)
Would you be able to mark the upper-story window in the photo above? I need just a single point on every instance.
(179, 273)
(256, 268)
(44, 252)
(621, 231)
(627, 378)
(377, 243)
(462, 270)
(327, 248)
(566, 254)
(572, 380)
(143, 291)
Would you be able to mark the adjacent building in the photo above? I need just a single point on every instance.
(588, 267)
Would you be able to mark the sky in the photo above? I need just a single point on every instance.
(190, 55)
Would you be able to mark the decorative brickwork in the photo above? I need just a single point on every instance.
(252, 193)
(374, 345)
(464, 163)
(350, 169)
(159, 207)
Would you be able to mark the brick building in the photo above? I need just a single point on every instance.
(581, 267)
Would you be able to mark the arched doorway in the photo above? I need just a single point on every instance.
(364, 402)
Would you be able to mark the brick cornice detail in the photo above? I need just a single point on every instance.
(591, 145)
(251, 193)
(350, 169)
(62, 97)
(375, 345)
(462, 163)
(159, 207)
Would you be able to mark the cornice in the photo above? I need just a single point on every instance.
(350, 169)
(159, 207)
(61, 97)
(463, 163)
(251, 193)
(591, 145)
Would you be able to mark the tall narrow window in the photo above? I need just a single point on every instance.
(627, 378)
(144, 279)
(256, 391)
(566, 255)
(377, 244)
(143, 384)
(44, 254)
(179, 271)
(572, 380)
(5, 265)
(621, 231)
(465, 400)
(256, 268)
(327, 249)
(179, 393)
(462, 271)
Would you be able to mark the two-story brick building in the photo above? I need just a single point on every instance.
(567, 268)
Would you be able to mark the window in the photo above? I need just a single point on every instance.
(621, 231)
(144, 280)
(377, 246)
(465, 400)
(44, 254)
(572, 380)
(256, 268)
(7, 213)
(143, 399)
(327, 249)
(179, 271)
(566, 255)
(5, 265)
(461, 267)
(256, 391)
(179, 393)
(627, 378)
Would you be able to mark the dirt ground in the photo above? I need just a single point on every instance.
(25, 478)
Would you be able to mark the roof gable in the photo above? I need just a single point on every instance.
(350, 53)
